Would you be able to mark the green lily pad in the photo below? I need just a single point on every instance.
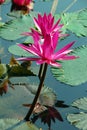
(78, 120)
(16, 50)
(15, 124)
(73, 72)
(81, 103)
(11, 102)
(13, 29)
(75, 22)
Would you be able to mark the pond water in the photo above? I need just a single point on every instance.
(64, 92)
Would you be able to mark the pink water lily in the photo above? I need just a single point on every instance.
(2, 1)
(45, 52)
(25, 6)
(45, 25)
(22, 2)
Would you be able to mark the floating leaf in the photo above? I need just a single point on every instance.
(73, 72)
(78, 120)
(16, 50)
(16, 27)
(11, 103)
(75, 22)
(15, 124)
(81, 103)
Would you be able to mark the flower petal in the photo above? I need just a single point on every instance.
(55, 64)
(32, 49)
(67, 57)
(27, 59)
(47, 47)
(65, 50)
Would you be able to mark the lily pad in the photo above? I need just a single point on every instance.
(16, 27)
(73, 72)
(16, 50)
(11, 102)
(79, 120)
(81, 103)
(16, 124)
(75, 22)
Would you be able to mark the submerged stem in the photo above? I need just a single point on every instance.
(69, 6)
(54, 6)
(37, 94)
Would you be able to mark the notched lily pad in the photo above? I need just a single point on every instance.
(75, 22)
(16, 50)
(79, 120)
(16, 27)
(80, 103)
(73, 72)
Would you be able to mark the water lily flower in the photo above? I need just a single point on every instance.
(2, 1)
(24, 5)
(45, 25)
(45, 51)
(22, 2)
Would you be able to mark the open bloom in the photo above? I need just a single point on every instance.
(2, 1)
(45, 51)
(45, 25)
(24, 5)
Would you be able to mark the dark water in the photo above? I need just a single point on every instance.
(64, 92)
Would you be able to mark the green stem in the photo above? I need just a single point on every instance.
(40, 71)
(37, 93)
